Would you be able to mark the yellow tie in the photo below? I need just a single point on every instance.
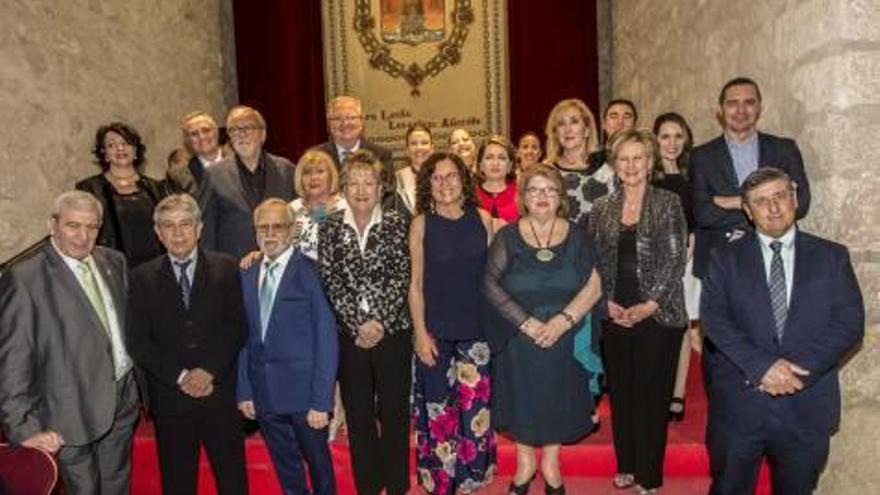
(90, 284)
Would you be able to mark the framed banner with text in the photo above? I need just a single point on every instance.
(441, 63)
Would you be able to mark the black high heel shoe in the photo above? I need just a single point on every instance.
(676, 416)
(550, 490)
(521, 489)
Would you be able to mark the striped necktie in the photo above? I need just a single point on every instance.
(778, 292)
(184, 282)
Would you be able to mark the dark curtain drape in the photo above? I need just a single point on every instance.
(553, 56)
(552, 45)
(281, 70)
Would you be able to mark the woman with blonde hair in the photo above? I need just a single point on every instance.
(571, 137)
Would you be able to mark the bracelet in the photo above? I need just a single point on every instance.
(568, 317)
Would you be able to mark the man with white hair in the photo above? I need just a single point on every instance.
(66, 385)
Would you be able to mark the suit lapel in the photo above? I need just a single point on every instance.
(801, 277)
(250, 288)
(200, 279)
(275, 183)
(764, 152)
(170, 287)
(196, 169)
(726, 162)
(757, 274)
(233, 176)
(60, 272)
(283, 288)
(113, 280)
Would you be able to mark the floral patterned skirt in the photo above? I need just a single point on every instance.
(455, 442)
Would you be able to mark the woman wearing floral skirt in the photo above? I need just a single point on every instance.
(455, 444)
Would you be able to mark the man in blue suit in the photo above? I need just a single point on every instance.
(288, 366)
(781, 309)
(719, 167)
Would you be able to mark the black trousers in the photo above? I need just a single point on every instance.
(640, 364)
(179, 438)
(375, 386)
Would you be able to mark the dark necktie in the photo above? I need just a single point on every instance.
(778, 293)
(184, 282)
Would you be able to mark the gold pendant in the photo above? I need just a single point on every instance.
(544, 255)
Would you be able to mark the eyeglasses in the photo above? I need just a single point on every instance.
(450, 178)
(549, 191)
(242, 129)
(267, 228)
(345, 119)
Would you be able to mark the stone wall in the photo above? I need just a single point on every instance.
(68, 67)
(818, 64)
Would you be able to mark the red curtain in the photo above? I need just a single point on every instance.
(281, 70)
(553, 55)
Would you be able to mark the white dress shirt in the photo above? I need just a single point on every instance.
(787, 253)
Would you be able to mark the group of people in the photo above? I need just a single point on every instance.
(473, 291)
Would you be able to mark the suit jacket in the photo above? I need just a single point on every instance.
(825, 321)
(713, 174)
(294, 368)
(56, 359)
(227, 213)
(381, 152)
(164, 337)
(188, 178)
(661, 249)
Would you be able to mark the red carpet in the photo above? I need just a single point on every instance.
(588, 465)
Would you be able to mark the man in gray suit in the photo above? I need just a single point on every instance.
(232, 189)
(66, 384)
(201, 137)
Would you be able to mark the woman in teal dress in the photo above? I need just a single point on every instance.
(541, 284)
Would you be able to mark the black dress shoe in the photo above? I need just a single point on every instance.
(521, 489)
(550, 490)
(676, 416)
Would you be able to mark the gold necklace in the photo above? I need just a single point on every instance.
(123, 182)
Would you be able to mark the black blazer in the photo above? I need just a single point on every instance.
(381, 152)
(164, 337)
(227, 213)
(713, 174)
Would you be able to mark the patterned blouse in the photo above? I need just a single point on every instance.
(366, 279)
(307, 223)
(584, 187)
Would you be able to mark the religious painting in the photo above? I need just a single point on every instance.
(413, 21)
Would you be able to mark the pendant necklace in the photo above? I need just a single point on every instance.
(544, 253)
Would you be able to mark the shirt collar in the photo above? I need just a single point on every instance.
(190, 257)
(348, 217)
(787, 238)
(207, 162)
(280, 261)
(73, 263)
(751, 141)
(341, 150)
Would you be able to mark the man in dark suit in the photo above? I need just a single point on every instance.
(781, 308)
(231, 189)
(201, 137)
(185, 329)
(288, 366)
(66, 384)
(345, 123)
(719, 167)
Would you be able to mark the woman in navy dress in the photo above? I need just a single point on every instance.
(449, 238)
(541, 285)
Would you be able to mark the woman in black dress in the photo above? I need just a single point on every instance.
(671, 173)
(128, 197)
(541, 285)
(640, 240)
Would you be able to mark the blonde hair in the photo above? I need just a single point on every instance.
(314, 157)
(642, 136)
(554, 148)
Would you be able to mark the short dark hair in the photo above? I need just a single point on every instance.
(499, 140)
(418, 126)
(738, 81)
(762, 176)
(424, 200)
(129, 134)
(622, 101)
